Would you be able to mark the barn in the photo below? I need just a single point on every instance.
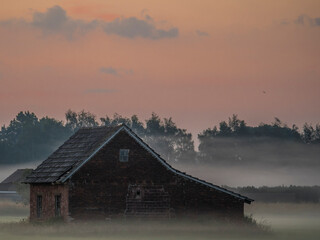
(9, 186)
(109, 172)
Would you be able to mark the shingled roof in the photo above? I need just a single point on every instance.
(17, 176)
(84, 144)
(72, 153)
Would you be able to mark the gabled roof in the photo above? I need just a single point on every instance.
(17, 176)
(69, 155)
(84, 144)
(9, 184)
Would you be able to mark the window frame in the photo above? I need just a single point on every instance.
(124, 155)
(57, 205)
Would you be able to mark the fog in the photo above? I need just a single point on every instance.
(228, 175)
(272, 221)
(259, 152)
(238, 162)
(245, 176)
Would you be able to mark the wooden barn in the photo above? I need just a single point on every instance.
(109, 172)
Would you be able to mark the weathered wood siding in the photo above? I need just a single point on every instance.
(99, 188)
(48, 193)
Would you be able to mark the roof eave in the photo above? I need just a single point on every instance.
(248, 200)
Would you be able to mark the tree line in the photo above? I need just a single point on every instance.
(29, 138)
(234, 142)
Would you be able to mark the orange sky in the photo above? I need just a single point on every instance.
(197, 61)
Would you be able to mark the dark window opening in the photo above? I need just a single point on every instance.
(58, 205)
(124, 155)
(138, 194)
(39, 206)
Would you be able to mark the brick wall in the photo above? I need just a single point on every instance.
(99, 188)
(48, 193)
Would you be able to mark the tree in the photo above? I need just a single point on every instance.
(237, 126)
(308, 133)
(80, 119)
(29, 139)
(133, 122)
(136, 125)
(224, 129)
(317, 134)
(173, 143)
(236, 142)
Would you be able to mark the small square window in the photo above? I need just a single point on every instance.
(124, 155)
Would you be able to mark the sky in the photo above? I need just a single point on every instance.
(198, 62)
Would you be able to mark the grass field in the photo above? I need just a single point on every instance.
(283, 221)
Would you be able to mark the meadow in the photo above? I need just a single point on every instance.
(274, 221)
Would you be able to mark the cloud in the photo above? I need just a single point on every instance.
(114, 71)
(109, 70)
(300, 20)
(55, 20)
(202, 34)
(284, 22)
(133, 27)
(316, 21)
(127, 71)
(306, 20)
(99, 91)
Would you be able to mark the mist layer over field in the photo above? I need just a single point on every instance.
(233, 176)
(253, 176)
(275, 221)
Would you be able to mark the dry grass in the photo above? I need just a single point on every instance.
(130, 230)
(288, 221)
(297, 216)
